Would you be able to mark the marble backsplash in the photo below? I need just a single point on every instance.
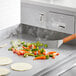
(35, 32)
(42, 33)
(8, 32)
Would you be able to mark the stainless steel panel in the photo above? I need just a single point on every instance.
(67, 68)
(69, 72)
(33, 15)
(60, 22)
(39, 66)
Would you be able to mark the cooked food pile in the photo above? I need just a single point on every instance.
(35, 49)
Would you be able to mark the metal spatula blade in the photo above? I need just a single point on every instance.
(58, 43)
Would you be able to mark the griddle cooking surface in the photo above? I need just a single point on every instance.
(38, 65)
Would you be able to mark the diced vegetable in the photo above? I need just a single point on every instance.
(28, 44)
(51, 55)
(54, 55)
(44, 53)
(41, 57)
(18, 52)
(14, 45)
(25, 55)
(10, 49)
(42, 50)
(51, 52)
(47, 57)
(23, 42)
(26, 48)
(14, 50)
(37, 48)
(36, 55)
(32, 49)
(41, 44)
(35, 52)
(39, 53)
(57, 54)
(18, 43)
(45, 45)
(29, 54)
(24, 45)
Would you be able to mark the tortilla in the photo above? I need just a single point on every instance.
(2, 46)
(5, 60)
(4, 71)
(21, 66)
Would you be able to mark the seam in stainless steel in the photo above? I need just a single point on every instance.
(61, 73)
(60, 13)
(63, 61)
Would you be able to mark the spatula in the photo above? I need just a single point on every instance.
(66, 39)
(58, 43)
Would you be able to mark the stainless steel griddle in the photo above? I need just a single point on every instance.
(39, 66)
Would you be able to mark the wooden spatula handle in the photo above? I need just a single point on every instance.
(69, 38)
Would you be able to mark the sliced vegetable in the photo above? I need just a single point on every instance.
(41, 57)
(39, 53)
(22, 52)
(18, 52)
(44, 53)
(32, 49)
(28, 54)
(24, 45)
(41, 44)
(57, 54)
(14, 45)
(51, 55)
(35, 52)
(28, 44)
(23, 42)
(14, 50)
(26, 48)
(51, 52)
(37, 48)
(18, 43)
(10, 49)
(37, 43)
(47, 57)
(54, 55)
(42, 50)
(45, 45)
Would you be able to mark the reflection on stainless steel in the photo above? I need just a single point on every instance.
(39, 67)
(67, 70)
